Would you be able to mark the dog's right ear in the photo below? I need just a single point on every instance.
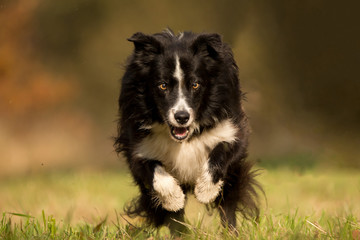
(145, 43)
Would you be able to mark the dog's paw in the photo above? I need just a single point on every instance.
(205, 190)
(168, 192)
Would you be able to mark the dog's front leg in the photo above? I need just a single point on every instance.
(168, 192)
(208, 185)
(161, 188)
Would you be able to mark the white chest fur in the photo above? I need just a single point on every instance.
(184, 160)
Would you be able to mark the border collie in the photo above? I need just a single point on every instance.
(182, 128)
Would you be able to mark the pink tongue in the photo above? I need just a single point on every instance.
(180, 131)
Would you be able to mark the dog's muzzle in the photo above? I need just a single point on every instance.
(179, 125)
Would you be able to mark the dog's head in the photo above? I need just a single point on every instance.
(184, 78)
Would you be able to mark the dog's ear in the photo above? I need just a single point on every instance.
(145, 43)
(208, 45)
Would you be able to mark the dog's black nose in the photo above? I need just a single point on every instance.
(182, 117)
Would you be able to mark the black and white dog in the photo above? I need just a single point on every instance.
(182, 128)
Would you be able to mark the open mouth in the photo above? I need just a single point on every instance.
(179, 133)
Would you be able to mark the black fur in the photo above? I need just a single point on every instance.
(204, 60)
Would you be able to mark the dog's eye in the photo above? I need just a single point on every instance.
(195, 85)
(163, 86)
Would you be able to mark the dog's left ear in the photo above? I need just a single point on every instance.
(145, 43)
(208, 45)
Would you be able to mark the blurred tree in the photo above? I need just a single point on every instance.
(26, 86)
(321, 51)
(298, 62)
(309, 64)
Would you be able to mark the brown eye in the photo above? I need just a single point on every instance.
(195, 85)
(163, 86)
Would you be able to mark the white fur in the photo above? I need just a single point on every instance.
(180, 104)
(168, 192)
(184, 160)
(205, 190)
(168, 31)
(145, 127)
(178, 73)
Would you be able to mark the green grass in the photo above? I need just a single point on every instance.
(303, 204)
(271, 226)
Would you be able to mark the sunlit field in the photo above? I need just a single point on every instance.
(299, 204)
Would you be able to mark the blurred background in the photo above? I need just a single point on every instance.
(61, 63)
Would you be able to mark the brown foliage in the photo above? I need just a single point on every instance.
(25, 84)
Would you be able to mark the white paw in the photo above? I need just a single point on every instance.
(168, 192)
(205, 190)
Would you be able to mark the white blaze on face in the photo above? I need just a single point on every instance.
(178, 73)
(180, 104)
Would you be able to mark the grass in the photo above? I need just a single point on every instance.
(307, 204)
